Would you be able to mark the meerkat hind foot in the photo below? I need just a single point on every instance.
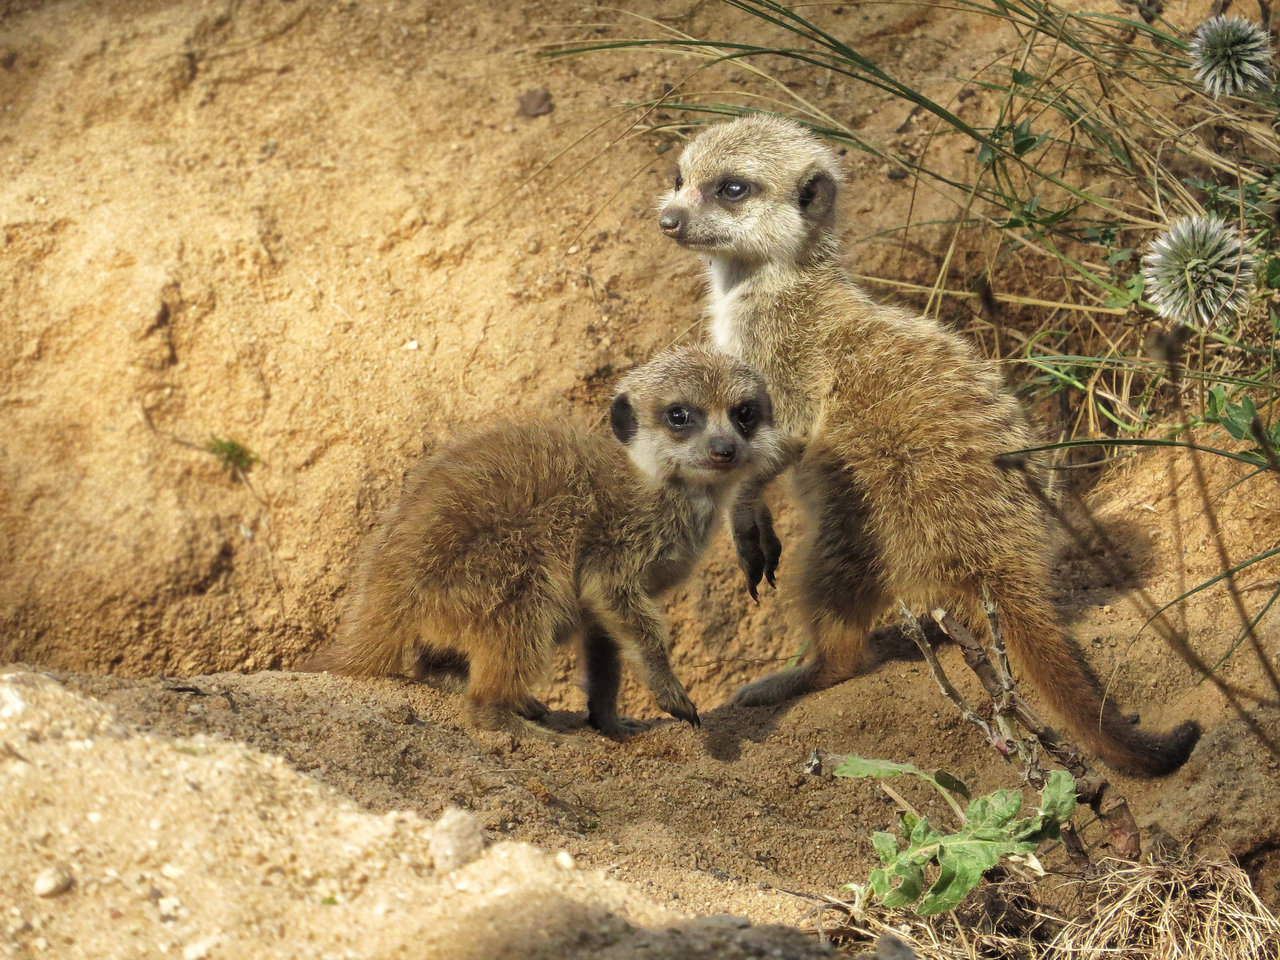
(616, 727)
(496, 718)
(778, 687)
(531, 708)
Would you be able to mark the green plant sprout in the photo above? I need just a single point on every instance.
(235, 457)
(989, 832)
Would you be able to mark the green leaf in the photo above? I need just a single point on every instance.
(923, 834)
(1271, 273)
(993, 810)
(1022, 78)
(1236, 418)
(1133, 288)
(960, 869)
(886, 845)
(948, 782)
(854, 766)
(908, 891)
(879, 882)
(1058, 801)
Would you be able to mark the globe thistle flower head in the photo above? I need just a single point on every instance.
(1199, 271)
(1231, 56)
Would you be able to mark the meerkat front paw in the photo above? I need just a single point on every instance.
(758, 547)
(673, 700)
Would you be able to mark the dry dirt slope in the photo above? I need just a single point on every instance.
(305, 227)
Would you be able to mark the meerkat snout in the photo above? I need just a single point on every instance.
(672, 221)
(722, 451)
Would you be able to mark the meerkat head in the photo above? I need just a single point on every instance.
(756, 189)
(695, 415)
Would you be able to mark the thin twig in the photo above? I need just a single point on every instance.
(912, 628)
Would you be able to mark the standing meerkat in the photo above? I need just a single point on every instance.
(903, 424)
(518, 537)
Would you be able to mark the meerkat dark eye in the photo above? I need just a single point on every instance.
(679, 181)
(733, 190)
(745, 416)
(678, 417)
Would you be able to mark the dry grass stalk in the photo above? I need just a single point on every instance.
(1194, 909)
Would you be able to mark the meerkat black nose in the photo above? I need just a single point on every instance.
(722, 449)
(672, 221)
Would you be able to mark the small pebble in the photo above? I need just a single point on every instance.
(52, 882)
(564, 860)
(200, 949)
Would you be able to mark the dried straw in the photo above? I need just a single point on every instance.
(1193, 909)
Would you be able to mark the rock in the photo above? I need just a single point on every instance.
(458, 838)
(52, 882)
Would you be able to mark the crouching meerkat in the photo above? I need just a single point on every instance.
(903, 425)
(515, 538)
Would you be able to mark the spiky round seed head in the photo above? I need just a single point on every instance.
(1231, 55)
(1199, 272)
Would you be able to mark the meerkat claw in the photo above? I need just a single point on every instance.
(751, 558)
(681, 707)
(770, 545)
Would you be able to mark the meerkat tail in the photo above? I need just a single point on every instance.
(1059, 672)
(370, 643)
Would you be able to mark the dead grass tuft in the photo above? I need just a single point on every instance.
(1172, 911)
(1194, 909)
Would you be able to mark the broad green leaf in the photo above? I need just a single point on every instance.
(960, 869)
(995, 810)
(879, 882)
(909, 890)
(948, 782)
(1058, 801)
(886, 845)
(923, 833)
(881, 769)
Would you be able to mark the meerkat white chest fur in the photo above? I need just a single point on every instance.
(725, 285)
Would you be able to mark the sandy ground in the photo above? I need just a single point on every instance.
(327, 232)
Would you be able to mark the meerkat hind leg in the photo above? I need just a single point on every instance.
(840, 599)
(500, 672)
(501, 718)
(531, 708)
(838, 652)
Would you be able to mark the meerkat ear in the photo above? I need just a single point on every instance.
(623, 418)
(817, 196)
